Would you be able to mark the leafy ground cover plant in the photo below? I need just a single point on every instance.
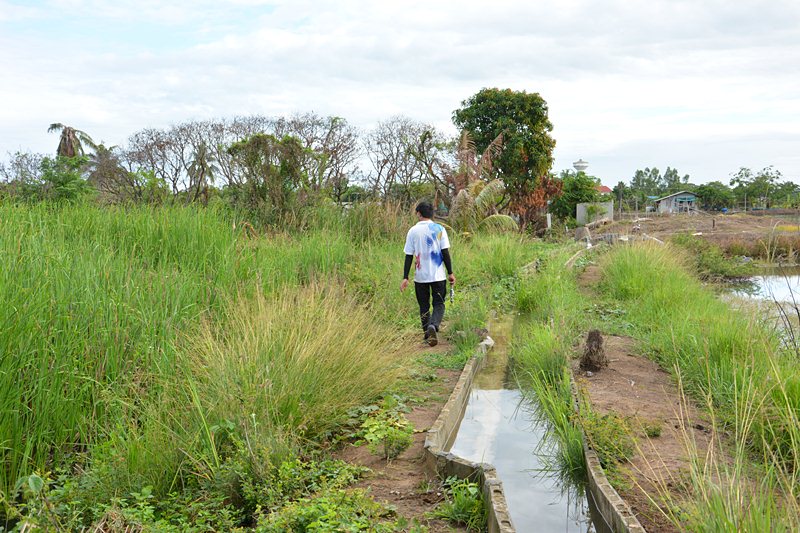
(336, 510)
(383, 427)
(463, 505)
(387, 434)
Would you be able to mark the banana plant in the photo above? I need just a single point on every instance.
(478, 194)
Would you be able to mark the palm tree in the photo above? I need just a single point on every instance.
(104, 171)
(201, 170)
(72, 140)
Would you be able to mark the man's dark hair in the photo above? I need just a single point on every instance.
(425, 209)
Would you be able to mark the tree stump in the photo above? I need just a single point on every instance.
(594, 356)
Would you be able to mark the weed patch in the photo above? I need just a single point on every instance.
(708, 260)
(336, 510)
(463, 505)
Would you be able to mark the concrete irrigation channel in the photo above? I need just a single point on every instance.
(488, 432)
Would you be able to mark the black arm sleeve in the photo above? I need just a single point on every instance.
(407, 266)
(447, 261)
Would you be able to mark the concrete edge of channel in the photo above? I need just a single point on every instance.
(445, 464)
(612, 507)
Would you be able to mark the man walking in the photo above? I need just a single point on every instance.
(428, 247)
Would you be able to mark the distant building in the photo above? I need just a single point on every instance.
(602, 189)
(679, 202)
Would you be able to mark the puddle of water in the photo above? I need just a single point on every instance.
(772, 285)
(499, 427)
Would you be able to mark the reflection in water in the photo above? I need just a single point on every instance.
(499, 427)
(774, 297)
(496, 430)
(781, 285)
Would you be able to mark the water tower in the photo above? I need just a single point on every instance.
(580, 165)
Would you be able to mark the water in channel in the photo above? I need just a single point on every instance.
(499, 427)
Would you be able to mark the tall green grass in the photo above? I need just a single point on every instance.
(734, 364)
(553, 312)
(718, 350)
(271, 376)
(101, 309)
(93, 301)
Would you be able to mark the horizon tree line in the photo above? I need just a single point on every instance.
(270, 163)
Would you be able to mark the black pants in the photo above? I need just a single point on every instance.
(424, 291)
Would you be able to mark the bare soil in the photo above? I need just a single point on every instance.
(404, 482)
(716, 228)
(638, 390)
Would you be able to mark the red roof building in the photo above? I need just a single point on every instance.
(602, 189)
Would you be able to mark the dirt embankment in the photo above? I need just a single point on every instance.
(646, 396)
(640, 392)
(404, 482)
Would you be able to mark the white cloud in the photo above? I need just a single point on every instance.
(629, 84)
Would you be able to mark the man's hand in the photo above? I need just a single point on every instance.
(403, 285)
(452, 279)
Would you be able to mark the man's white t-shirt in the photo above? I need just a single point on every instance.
(425, 241)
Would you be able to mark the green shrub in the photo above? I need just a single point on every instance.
(708, 261)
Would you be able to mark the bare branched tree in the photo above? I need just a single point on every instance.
(391, 149)
(333, 138)
(22, 167)
(159, 152)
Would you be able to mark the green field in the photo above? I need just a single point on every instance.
(175, 355)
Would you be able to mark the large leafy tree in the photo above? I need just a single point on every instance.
(577, 187)
(646, 183)
(522, 119)
(715, 195)
(756, 188)
(72, 141)
(650, 182)
(271, 171)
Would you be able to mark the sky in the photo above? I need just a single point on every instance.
(704, 86)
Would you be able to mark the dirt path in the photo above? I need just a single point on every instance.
(638, 390)
(404, 482)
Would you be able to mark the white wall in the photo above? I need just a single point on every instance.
(582, 211)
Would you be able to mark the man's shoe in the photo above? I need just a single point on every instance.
(431, 335)
(425, 337)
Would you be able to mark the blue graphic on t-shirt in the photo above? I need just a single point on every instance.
(436, 230)
(436, 233)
